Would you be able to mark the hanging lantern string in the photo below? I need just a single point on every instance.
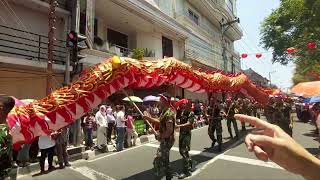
(290, 50)
(265, 52)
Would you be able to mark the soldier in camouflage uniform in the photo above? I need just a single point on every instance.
(186, 117)
(279, 115)
(231, 110)
(209, 115)
(255, 110)
(288, 123)
(269, 110)
(283, 115)
(166, 121)
(241, 109)
(215, 125)
(6, 104)
(249, 107)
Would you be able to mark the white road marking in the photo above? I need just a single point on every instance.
(250, 161)
(192, 152)
(214, 159)
(91, 173)
(152, 140)
(226, 157)
(115, 153)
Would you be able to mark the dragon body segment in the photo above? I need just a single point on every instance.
(94, 85)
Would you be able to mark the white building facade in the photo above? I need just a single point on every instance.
(189, 30)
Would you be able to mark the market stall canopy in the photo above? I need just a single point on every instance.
(133, 98)
(151, 98)
(313, 99)
(307, 89)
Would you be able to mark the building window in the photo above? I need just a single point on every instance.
(95, 27)
(167, 47)
(83, 17)
(117, 38)
(193, 16)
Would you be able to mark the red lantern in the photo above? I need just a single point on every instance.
(311, 45)
(244, 55)
(258, 55)
(291, 50)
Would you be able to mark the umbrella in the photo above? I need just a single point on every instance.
(151, 98)
(174, 99)
(27, 101)
(181, 102)
(133, 98)
(18, 102)
(314, 99)
(306, 100)
(307, 89)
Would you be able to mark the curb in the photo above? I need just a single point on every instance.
(77, 153)
(80, 153)
(89, 154)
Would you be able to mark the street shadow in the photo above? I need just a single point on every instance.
(314, 151)
(176, 167)
(312, 133)
(13, 173)
(204, 156)
(45, 172)
(38, 174)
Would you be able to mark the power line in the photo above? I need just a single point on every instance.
(17, 17)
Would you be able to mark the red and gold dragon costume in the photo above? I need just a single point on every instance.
(64, 105)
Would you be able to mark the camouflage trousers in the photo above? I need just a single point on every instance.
(256, 114)
(285, 127)
(235, 126)
(215, 127)
(184, 148)
(161, 162)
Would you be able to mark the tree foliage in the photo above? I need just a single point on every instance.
(294, 24)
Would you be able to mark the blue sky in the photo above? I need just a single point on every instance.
(251, 14)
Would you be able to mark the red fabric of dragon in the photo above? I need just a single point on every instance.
(69, 103)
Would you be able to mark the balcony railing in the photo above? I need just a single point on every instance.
(191, 54)
(120, 51)
(28, 45)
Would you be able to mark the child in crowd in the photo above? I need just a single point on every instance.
(89, 123)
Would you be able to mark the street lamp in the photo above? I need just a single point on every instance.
(271, 72)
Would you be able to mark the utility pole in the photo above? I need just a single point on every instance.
(224, 29)
(51, 39)
(270, 77)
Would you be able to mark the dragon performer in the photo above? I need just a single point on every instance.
(71, 102)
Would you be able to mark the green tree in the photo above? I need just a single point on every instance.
(294, 24)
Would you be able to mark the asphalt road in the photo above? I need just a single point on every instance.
(235, 162)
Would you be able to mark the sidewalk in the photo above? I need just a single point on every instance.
(77, 153)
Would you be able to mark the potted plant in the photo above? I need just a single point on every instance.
(138, 53)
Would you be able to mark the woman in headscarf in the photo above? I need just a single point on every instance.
(101, 120)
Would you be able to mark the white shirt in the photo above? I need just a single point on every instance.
(120, 119)
(101, 119)
(46, 142)
(110, 118)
